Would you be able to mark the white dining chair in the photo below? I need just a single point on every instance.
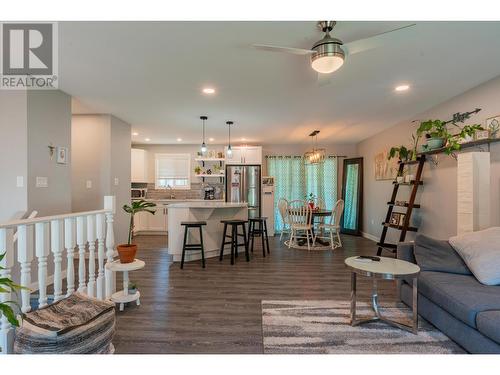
(299, 218)
(283, 211)
(333, 226)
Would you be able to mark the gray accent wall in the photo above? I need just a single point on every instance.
(101, 153)
(438, 197)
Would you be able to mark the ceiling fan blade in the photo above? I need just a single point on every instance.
(295, 51)
(378, 40)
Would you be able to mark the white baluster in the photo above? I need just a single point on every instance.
(42, 252)
(24, 257)
(109, 203)
(6, 246)
(69, 244)
(56, 248)
(91, 239)
(81, 240)
(100, 230)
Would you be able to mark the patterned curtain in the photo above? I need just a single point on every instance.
(294, 179)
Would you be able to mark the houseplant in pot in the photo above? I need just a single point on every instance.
(403, 153)
(310, 200)
(7, 286)
(126, 252)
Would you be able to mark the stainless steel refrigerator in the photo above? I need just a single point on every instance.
(243, 185)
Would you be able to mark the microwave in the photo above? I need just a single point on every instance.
(138, 193)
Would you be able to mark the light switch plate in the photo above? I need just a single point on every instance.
(116, 181)
(20, 181)
(88, 184)
(42, 182)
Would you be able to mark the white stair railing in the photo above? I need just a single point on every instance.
(38, 238)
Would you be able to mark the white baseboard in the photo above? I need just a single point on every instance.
(369, 236)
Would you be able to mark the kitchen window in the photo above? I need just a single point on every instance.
(173, 170)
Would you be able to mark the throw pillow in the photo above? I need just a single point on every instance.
(481, 252)
(438, 255)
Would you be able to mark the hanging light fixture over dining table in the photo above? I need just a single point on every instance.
(315, 155)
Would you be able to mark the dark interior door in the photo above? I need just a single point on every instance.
(352, 194)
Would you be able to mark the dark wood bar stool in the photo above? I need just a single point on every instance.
(260, 231)
(193, 247)
(234, 239)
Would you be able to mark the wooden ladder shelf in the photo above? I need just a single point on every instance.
(410, 205)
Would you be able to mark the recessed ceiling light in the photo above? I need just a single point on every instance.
(208, 90)
(402, 87)
(179, 139)
(211, 139)
(147, 139)
(135, 133)
(243, 139)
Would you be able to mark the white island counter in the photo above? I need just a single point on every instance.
(210, 211)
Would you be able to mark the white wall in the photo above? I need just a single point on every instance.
(14, 160)
(438, 198)
(101, 153)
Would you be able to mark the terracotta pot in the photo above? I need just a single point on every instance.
(126, 253)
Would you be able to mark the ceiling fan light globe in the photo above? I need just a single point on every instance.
(327, 64)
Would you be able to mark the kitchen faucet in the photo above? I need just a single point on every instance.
(172, 195)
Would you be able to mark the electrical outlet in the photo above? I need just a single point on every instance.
(373, 222)
(42, 182)
(20, 181)
(89, 184)
(116, 181)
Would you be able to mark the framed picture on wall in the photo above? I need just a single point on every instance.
(62, 155)
(385, 169)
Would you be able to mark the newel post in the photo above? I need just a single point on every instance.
(6, 330)
(110, 205)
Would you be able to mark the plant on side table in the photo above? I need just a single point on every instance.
(8, 286)
(127, 252)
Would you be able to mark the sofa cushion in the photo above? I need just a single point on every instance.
(461, 295)
(488, 323)
(438, 255)
(481, 252)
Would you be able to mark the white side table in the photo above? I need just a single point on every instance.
(122, 296)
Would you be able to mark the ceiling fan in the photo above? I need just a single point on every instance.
(329, 53)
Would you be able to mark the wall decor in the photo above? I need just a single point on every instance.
(402, 219)
(493, 125)
(62, 155)
(482, 134)
(385, 169)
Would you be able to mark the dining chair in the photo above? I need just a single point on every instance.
(283, 211)
(299, 218)
(333, 226)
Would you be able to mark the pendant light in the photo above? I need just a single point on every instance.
(316, 155)
(229, 150)
(203, 145)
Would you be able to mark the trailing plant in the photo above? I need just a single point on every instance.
(135, 207)
(402, 152)
(438, 129)
(8, 286)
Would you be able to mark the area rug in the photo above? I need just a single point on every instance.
(322, 327)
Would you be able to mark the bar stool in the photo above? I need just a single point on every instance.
(262, 231)
(234, 239)
(190, 247)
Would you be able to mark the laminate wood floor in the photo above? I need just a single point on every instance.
(218, 309)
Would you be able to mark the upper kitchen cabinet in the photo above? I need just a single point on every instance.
(244, 155)
(139, 163)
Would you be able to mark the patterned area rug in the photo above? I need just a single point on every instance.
(322, 327)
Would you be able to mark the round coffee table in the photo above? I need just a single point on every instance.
(385, 269)
(122, 297)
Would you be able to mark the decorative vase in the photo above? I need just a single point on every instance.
(434, 143)
(311, 204)
(127, 253)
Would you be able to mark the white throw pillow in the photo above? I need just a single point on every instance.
(481, 252)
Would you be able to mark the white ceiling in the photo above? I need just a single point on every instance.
(150, 74)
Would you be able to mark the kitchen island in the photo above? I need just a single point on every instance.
(210, 211)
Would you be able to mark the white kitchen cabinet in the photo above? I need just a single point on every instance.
(139, 165)
(244, 155)
(147, 222)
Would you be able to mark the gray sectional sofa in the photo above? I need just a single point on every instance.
(450, 297)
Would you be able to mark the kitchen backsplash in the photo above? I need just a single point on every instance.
(196, 192)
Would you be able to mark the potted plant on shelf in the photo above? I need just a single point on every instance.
(403, 153)
(127, 251)
(7, 286)
(132, 288)
(197, 169)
